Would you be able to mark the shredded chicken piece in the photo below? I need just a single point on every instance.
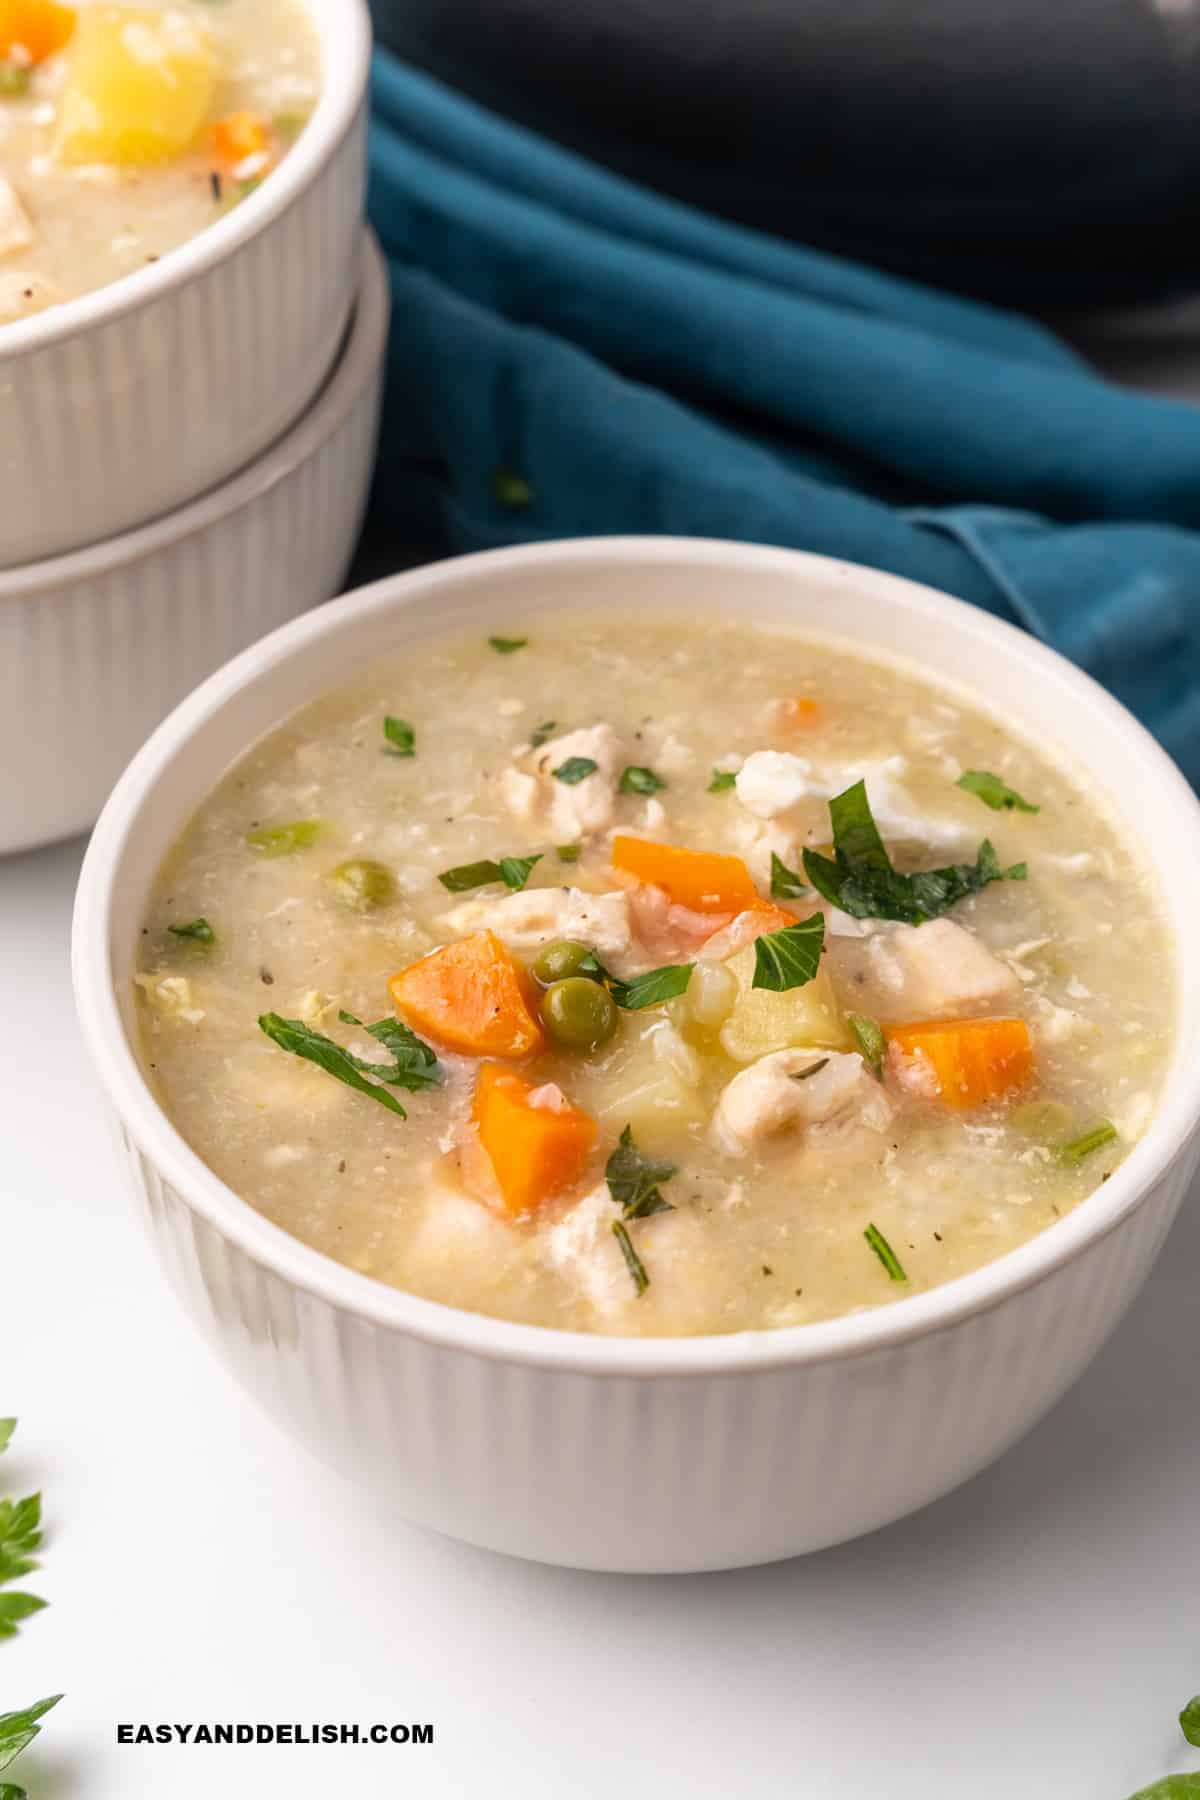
(797, 1088)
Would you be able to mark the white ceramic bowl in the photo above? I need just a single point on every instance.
(611, 1453)
(97, 646)
(132, 400)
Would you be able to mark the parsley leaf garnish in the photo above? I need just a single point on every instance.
(861, 881)
(993, 792)
(633, 1261)
(633, 1179)
(412, 1067)
(18, 1730)
(650, 989)
(785, 883)
(402, 739)
(885, 1253)
(789, 958)
(505, 646)
(722, 781)
(575, 769)
(198, 929)
(513, 871)
(542, 735)
(635, 780)
(868, 1035)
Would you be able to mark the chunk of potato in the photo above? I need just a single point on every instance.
(762, 1021)
(139, 86)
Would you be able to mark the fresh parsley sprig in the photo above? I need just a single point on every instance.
(17, 1732)
(20, 1538)
(636, 780)
(860, 879)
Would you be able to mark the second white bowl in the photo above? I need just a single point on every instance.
(130, 401)
(97, 646)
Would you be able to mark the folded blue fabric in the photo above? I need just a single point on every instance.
(644, 368)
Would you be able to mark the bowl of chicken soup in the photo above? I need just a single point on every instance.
(649, 1054)
(180, 212)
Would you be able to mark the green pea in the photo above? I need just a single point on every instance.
(362, 883)
(558, 960)
(579, 1014)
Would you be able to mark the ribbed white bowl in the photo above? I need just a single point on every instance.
(132, 400)
(609, 1453)
(97, 646)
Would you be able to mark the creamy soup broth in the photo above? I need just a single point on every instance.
(820, 1184)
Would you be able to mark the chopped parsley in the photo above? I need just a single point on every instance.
(513, 871)
(633, 1182)
(282, 840)
(722, 781)
(868, 1035)
(633, 1179)
(789, 958)
(993, 792)
(414, 1065)
(401, 738)
(785, 883)
(860, 879)
(568, 853)
(885, 1253)
(505, 646)
(512, 490)
(1105, 1132)
(650, 989)
(635, 780)
(542, 735)
(575, 769)
(633, 1261)
(199, 930)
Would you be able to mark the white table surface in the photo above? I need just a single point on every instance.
(1033, 1635)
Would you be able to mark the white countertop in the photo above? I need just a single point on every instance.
(1033, 1635)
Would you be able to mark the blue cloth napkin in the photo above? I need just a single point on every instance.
(571, 354)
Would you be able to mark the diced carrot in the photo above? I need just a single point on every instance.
(773, 918)
(800, 713)
(469, 997)
(32, 30)
(698, 879)
(535, 1150)
(239, 136)
(973, 1060)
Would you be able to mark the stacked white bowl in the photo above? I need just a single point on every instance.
(184, 459)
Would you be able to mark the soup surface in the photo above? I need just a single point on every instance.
(126, 129)
(727, 978)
